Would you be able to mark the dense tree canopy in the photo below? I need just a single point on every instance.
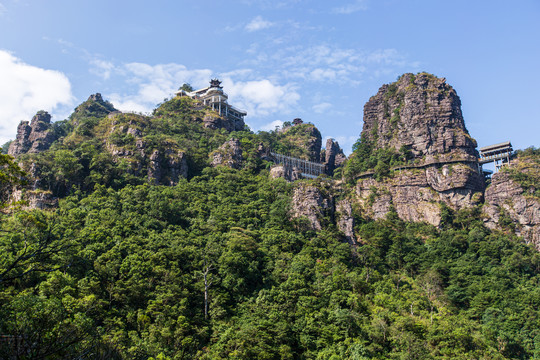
(123, 277)
(215, 266)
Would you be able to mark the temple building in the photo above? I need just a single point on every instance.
(214, 97)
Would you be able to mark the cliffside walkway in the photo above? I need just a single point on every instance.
(308, 169)
(420, 166)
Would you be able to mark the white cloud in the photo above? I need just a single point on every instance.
(322, 107)
(350, 8)
(326, 63)
(261, 97)
(272, 125)
(323, 74)
(258, 23)
(25, 89)
(102, 68)
(153, 83)
(150, 84)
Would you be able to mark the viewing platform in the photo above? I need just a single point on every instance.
(499, 154)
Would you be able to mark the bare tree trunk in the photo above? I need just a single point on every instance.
(207, 284)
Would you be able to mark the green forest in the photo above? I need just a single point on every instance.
(215, 267)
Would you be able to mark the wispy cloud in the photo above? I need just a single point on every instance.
(25, 89)
(150, 84)
(102, 68)
(322, 107)
(3, 9)
(358, 5)
(258, 23)
(325, 63)
(272, 4)
(271, 125)
(262, 97)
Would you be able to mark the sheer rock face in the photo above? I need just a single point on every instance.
(309, 202)
(212, 121)
(423, 114)
(288, 173)
(303, 140)
(333, 156)
(420, 114)
(229, 154)
(31, 199)
(416, 194)
(345, 220)
(314, 145)
(166, 167)
(506, 198)
(34, 137)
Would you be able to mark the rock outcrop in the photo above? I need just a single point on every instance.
(286, 172)
(421, 114)
(309, 202)
(34, 199)
(509, 205)
(301, 141)
(333, 156)
(345, 220)
(229, 154)
(94, 106)
(214, 121)
(419, 117)
(33, 137)
(416, 194)
(167, 166)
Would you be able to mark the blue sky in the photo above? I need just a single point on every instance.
(317, 60)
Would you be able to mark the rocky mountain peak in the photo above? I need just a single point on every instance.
(302, 140)
(33, 137)
(96, 97)
(95, 106)
(421, 115)
(41, 117)
(333, 156)
(414, 127)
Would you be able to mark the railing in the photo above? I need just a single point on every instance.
(308, 169)
(486, 158)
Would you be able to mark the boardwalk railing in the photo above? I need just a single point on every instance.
(308, 169)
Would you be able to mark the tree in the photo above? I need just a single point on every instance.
(28, 245)
(11, 175)
(430, 283)
(206, 275)
(186, 87)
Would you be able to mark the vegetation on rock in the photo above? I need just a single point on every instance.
(223, 263)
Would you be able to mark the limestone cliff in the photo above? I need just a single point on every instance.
(167, 166)
(333, 156)
(214, 121)
(426, 155)
(513, 201)
(229, 154)
(309, 202)
(164, 162)
(286, 172)
(420, 114)
(302, 141)
(33, 137)
(415, 194)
